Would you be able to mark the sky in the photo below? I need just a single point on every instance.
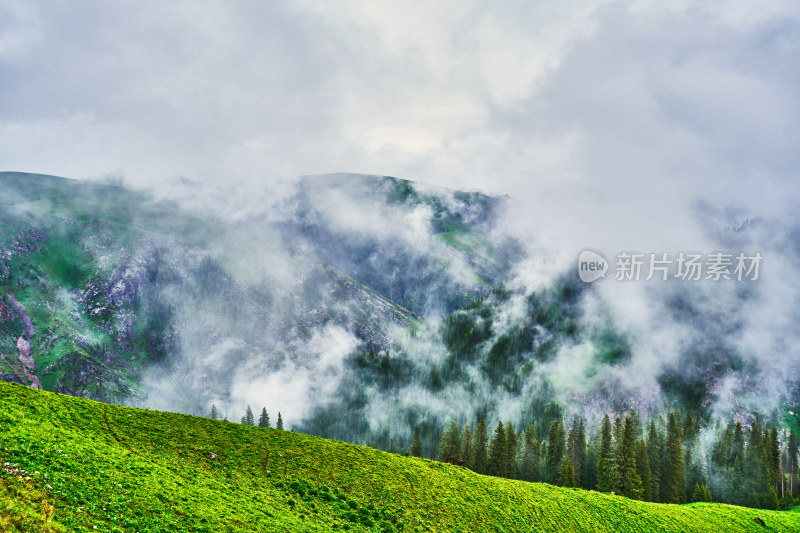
(616, 101)
(612, 125)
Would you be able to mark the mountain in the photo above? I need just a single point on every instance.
(70, 464)
(111, 294)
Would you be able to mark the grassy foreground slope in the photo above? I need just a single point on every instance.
(68, 464)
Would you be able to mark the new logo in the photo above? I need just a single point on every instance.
(591, 266)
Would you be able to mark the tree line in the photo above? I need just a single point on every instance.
(676, 459)
(249, 419)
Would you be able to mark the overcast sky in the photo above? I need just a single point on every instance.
(623, 104)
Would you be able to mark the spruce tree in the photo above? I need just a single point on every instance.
(481, 447)
(636, 422)
(263, 420)
(607, 474)
(737, 452)
(279, 425)
(416, 444)
(672, 483)
(450, 448)
(497, 463)
(511, 445)
(644, 470)
(793, 463)
(565, 478)
(214, 414)
(248, 418)
(576, 448)
(467, 447)
(530, 455)
(630, 482)
(555, 449)
(589, 469)
(654, 451)
(774, 459)
(617, 436)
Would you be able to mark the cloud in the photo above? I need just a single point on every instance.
(617, 126)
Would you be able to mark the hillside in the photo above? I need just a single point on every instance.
(113, 290)
(71, 464)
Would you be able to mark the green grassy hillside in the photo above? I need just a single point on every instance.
(68, 464)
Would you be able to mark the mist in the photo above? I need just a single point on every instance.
(616, 127)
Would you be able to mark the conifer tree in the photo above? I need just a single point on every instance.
(607, 474)
(214, 414)
(630, 482)
(555, 449)
(511, 445)
(701, 493)
(416, 444)
(450, 448)
(467, 447)
(565, 478)
(589, 469)
(617, 435)
(793, 463)
(576, 448)
(497, 463)
(644, 470)
(654, 451)
(263, 420)
(248, 418)
(672, 483)
(737, 452)
(481, 447)
(279, 425)
(529, 468)
(774, 459)
(636, 422)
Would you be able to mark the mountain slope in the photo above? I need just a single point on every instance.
(69, 464)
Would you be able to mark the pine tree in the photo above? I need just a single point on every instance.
(467, 447)
(636, 422)
(644, 470)
(248, 418)
(529, 469)
(481, 448)
(617, 435)
(672, 484)
(392, 446)
(565, 478)
(737, 452)
(607, 473)
(589, 469)
(654, 450)
(793, 463)
(214, 414)
(576, 448)
(774, 459)
(630, 482)
(692, 473)
(263, 420)
(450, 448)
(416, 444)
(555, 449)
(279, 425)
(511, 445)
(497, 463)
(701, 493)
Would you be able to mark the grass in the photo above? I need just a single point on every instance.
(68, 464)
